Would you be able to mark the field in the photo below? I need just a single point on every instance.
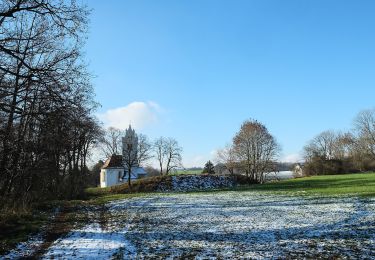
(330, 185)
(225, 225)
(323, 216)
(179, 172)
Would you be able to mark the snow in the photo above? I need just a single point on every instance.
(25, 249)
(226, 225)
(29, 247)
(90, 242)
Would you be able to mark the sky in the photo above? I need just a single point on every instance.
(194, 70)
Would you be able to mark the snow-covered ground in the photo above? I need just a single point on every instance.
(226, 225)
(31, 246)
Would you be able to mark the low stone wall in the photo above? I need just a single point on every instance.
(197, 182)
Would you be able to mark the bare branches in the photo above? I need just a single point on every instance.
(365, 128)
(256, 149)
(227, 156)
(323, 145)
(168, 153)
(110, 143)
(173, 154)
(335, 152)
(144, 149)
(159, 145)
(46, 127)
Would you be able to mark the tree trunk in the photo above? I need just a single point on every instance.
(129, 172)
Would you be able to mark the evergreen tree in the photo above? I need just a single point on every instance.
(209, 168)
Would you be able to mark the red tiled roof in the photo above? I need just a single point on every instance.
(115, 161)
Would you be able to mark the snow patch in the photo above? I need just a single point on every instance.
(92, 241)
(30, 247)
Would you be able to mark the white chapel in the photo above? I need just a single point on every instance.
(114, 170)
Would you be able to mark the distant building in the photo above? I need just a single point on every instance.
(298, 170)
(114, 171)
(130, 146)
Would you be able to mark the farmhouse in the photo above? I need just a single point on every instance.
(114, 171)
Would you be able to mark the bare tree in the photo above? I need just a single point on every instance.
(323, 145)
(365, 128)
(331, 153)
(159, 145)
(227, 156)
(110, 143)
(130, 154)
(168, 153)
(256, 149)
(136, 150)
(144, 149)
(335, 152)
(46, 101)
(344, 146)
(173, 154)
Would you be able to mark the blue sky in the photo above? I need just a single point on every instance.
(195, 70)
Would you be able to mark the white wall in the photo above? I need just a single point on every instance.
(111, 177)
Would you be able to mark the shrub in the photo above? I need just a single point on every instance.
(209, 168)
(149, 184)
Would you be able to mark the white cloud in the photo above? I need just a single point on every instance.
(292, 158)
(138, 114)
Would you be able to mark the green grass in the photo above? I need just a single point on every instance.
(17, 227)
(98, 196)
(362, 184)
(328, 185)
(111, 197)
(188, 172)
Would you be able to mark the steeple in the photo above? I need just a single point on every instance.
(130, 144)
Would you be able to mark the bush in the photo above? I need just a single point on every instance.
(151, 171)
(149, 184)
(209, 168)
(320, 166)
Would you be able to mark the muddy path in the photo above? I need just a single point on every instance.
(62, 221)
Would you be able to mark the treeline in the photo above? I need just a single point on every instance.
(46, 102)
(333, 152)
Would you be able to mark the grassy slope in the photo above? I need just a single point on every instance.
(329, 185)
(179, 172)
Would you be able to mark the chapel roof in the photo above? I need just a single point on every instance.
(114, 161)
